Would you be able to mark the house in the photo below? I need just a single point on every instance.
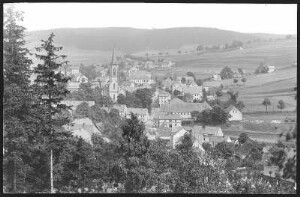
(81, 78)
(167, 119)
(121, 108)
(150, 65)
(141, 113)
(242, 151)
(74, 70)
(216, 77)
(184, 109)
(178, 86)
(177, 136)
(128, 86)
(167, 83)
(73, 86)
(271, 69)
(195, 91)
(167, 64)
(132, 70)
(208, 134)
(85, 128)
(173, 136)
(236, 115)
(141, 78)
(163, 98)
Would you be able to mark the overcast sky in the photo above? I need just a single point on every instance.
(246, 18)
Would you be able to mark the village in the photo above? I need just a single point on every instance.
(95, 103)
(175, 101)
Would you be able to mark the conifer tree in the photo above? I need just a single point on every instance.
(16, 101)
(50, 88)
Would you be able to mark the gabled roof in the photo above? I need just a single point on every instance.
(179, 106)
(177, 129)
(243, 150)
(168, 117)
(119, 107)
(193, 89)
(205, 130)
(162, 93)
(231, 107)
(139, 111)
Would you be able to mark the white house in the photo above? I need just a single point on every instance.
(167, 64)
(74, 70)
(132, 70)
(236, 115)
(163, 98)
(208, 134)
(195, 91)
(81, 78)
(271, 69)
(141, 113)
(184, 109)
(85, 128)
(168, 120)
(73, 86)
(216, 77)
(177, 136)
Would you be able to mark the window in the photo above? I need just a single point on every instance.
(114, 72)
(114, 86)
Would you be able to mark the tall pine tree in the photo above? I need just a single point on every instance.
(49, 89)
(16, 102)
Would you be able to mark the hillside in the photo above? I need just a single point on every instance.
(129, 40)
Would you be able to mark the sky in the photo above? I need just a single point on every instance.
(245, 18)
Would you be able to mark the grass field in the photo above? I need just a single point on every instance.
(276, 86)
(280, 53)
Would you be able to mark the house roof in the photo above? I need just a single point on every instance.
(137, 76)
(119, 107)
(205, 130)
(231, 107)
(85, 128)
(180, 106)
(139, 111)
(163, 93)
(243, 150)
(126, 83)
(177, 129)
(193, 89)
(168, 117)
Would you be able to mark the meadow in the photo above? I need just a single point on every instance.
(279, 53)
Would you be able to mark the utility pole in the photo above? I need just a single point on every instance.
(51, 172)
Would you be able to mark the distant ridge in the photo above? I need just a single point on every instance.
(131, 40)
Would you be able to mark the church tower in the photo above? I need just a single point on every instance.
(113, 79)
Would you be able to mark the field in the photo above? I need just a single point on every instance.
(279, 53)
(276, 86)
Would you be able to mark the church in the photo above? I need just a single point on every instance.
(113, 88)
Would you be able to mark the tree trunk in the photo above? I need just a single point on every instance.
(51, 172)
(14, 178)
(267, 108)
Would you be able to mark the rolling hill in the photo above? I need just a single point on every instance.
(131, 40)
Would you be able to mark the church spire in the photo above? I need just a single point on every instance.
(113, 58)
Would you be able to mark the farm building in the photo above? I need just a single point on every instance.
(184, 109)
(271, 69)
(236, 115)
